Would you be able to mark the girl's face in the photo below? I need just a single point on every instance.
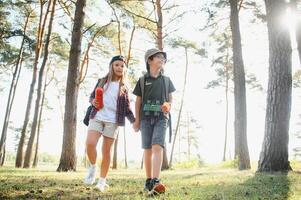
(118, 68)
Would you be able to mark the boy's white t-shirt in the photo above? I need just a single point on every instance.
(110, 95)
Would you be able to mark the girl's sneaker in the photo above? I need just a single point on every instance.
(90, 178)
(101, 185)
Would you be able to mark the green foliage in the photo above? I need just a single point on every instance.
(59, 47)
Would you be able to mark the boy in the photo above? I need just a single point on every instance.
(152, 108)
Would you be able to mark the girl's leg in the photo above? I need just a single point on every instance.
(106, 156)
(91, 143)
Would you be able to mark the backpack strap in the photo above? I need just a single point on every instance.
(142, 83)
(166, 87)
(102, 82)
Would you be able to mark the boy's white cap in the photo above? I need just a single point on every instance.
(152, 52)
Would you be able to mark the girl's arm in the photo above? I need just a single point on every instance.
(128, 112)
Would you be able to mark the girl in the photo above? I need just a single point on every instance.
(105, 122)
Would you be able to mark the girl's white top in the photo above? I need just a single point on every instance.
(108, 112)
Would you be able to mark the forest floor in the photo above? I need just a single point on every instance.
(208, 183)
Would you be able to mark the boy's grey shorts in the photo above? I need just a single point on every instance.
(153, 131)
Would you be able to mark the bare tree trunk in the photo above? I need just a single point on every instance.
(115, 153)
(28, 155)
(35, 160)
(141, 166)
(68, 155)
(241, 144)
(188, 137)
(12, 92)
(180, 111)
(130, 46)
(159, 25)
(42, 22)
(227, 107)
(3, 157)
(274, 153)
(125, 151)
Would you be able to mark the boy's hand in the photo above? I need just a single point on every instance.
(136, 125)
(165, 107)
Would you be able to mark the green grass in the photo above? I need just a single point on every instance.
(208, 183)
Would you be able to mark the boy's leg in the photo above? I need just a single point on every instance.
(158, 142)
(157, 152)
(146, 137)
(148, 162)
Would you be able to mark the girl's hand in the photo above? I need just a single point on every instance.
(95, 103)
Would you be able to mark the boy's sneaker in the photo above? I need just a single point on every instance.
(148, 185)
(157, 187)
(101, 185)
(90, 178)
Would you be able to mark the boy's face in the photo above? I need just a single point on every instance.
(158, 61)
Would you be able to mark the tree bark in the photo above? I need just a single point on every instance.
(241, 144)
(68, 154)
(32, 138)
(274, 152)
(40, 35)
(159, 25)
(12, 92)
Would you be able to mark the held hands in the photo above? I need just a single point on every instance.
(165, 107)
(136, 125)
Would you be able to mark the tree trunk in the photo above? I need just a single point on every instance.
(125, 150)
(35, 160)
(274, 153)
(40, 35)
(188, 138)
(12, 92)
(159, 25)
(241, 144)
(68, 155)
(180, 111)
(32, 138)
(115, 153)
(227, 107)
